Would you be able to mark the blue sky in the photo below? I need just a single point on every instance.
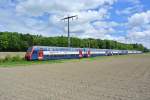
(126, 21)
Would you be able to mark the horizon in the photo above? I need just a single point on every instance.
(122, 21)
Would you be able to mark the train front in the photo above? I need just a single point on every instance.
(28, 54)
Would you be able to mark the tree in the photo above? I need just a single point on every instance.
(13, 41)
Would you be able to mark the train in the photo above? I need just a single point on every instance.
(53, 53)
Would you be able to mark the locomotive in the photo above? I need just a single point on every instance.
(53, 53)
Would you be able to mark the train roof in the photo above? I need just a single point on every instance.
(53, 47)
(44, 47)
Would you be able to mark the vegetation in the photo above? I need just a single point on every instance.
(8, 58)
(9, 61)
(13, 41)
(17, 61)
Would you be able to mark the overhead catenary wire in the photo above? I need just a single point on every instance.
(68, 24)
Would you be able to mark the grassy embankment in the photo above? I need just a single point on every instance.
(18, 61)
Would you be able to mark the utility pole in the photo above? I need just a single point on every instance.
(116, 44)
(109, 44)
(89, 42)
(126, 41)
(68, 21)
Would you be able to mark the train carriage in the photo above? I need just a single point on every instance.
(97, 52)
(109, 52)
(48, 53)
(45, 53)
(115, 52)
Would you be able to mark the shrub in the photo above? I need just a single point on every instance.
(1, 60)
(16, 58)
(8, 58)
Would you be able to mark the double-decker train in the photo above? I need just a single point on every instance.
(48, 53)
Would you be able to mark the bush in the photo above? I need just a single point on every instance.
(1, 60)
(8, 58)
(16, 58)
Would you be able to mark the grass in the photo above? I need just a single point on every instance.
(25, 63)
(18, 61)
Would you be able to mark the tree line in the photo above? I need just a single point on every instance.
(14, 41)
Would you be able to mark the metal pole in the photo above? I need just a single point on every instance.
(127, 42)
(109, 44)
(116, 44)
(68, 19)
(68, 33)
(89, 43)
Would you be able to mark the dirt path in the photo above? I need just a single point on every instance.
(122, 78)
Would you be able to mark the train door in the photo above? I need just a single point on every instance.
(88, 53)
(40, 54)
(106, 53)
(80, 53)
(28, 55)
(84, 52)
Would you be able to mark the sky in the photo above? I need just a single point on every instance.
(126, 21)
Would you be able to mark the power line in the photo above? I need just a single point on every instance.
(68, 20)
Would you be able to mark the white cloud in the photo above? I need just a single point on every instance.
(139, 19)
(56, 10)
(104, 24)
(140, 34)
(139, 28)
(37, 7)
